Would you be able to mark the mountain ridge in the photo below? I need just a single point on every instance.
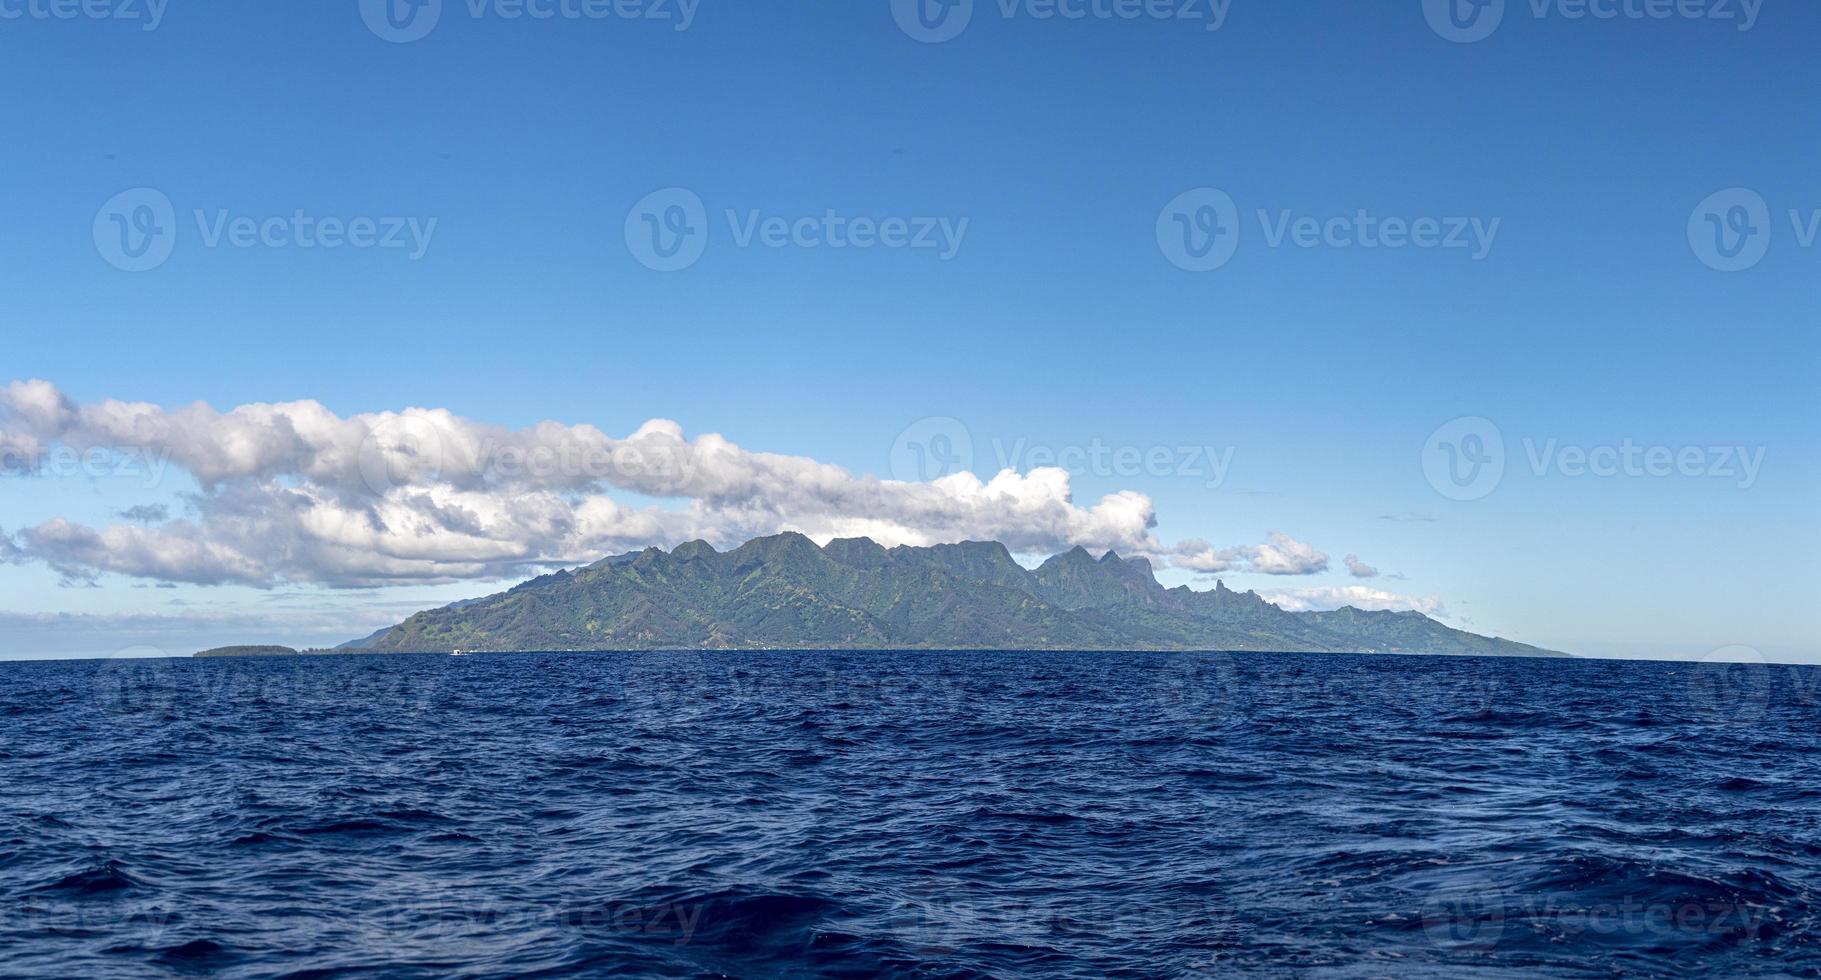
(784, 591)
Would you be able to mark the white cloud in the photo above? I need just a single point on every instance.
(1282, 555)
(292, 492)
(1359, 596)
(1359, 569)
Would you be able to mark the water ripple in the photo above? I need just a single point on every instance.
(928, 815)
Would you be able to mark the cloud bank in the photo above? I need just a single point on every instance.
(1358, 596)
(291, 492)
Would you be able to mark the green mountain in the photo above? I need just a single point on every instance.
(785, 592)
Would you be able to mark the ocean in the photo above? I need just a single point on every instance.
(921, 815)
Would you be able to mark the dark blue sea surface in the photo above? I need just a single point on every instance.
(927, 815)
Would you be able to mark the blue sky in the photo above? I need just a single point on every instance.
(1584, 312)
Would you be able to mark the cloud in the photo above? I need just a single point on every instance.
(292, 492)
(1360, 596)
(1409, 518)
(1282, 555)
(1359, 569)
(146, 514)
(1285, 555)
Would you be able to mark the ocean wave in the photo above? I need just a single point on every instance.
(947, 815)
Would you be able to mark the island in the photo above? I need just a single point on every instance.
(785, 592)
(250, 651)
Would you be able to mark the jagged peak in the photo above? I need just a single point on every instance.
(794, 538)
(694, 549)
(787, 543)
(612, 561)
(857, 552)
(1076, 554)
(993, 546)
(988, 550)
